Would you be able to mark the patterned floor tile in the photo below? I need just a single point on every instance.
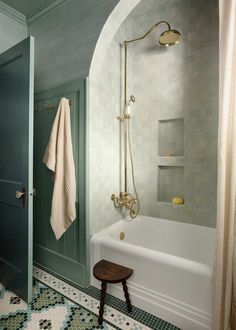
(7, 307)
(112, 315)
(49, 318)
(115, 310)
(14, 321)
(82, 319)
(48, 310)
(57, 305)
(138, 314)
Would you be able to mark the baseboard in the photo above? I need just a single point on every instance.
(69, 269)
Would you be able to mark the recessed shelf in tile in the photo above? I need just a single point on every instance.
(171, 137)
(170, 183)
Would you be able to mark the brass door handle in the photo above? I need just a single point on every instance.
(19, 194)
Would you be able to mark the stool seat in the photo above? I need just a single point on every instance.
(110, 272)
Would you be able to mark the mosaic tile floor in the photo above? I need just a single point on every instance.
(57, 305)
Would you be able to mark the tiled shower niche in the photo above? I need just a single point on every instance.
(170, 183)
(171, 138)
(170, 174)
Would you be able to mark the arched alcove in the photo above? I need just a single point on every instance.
(110, 28)
(102, 127)
(163, 94)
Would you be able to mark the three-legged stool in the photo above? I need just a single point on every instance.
(108, 272)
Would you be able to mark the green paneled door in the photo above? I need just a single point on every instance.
(16, 166)
(67, 257)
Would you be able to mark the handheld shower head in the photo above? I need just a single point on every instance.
(169, 38)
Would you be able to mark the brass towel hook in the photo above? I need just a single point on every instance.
(52, 106)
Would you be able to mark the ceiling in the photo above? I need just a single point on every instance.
(28, 7)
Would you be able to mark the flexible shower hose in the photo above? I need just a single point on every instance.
(132, 171)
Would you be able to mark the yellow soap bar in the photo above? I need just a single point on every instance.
(177, 200)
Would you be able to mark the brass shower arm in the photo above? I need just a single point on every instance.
(147, 33)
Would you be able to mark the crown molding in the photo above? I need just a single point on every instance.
(46, 7)
(12, 13)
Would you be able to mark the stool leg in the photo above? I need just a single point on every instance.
(102, 302)
(129, 307)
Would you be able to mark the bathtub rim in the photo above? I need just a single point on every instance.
(104, 236)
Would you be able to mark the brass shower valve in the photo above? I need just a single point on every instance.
(125, 200)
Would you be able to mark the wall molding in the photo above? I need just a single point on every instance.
(12, 13)
(46, 7)
(42, 10)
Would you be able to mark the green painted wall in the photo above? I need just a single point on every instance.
(65, 39)
(11, 32)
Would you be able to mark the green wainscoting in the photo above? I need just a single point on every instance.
(69, 256)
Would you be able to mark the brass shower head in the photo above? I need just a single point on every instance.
(169, 38)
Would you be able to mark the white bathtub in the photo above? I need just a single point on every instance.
(172, 264)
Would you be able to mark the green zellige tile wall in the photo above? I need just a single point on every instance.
(176, 110)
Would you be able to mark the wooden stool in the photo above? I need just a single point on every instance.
(108, 272)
